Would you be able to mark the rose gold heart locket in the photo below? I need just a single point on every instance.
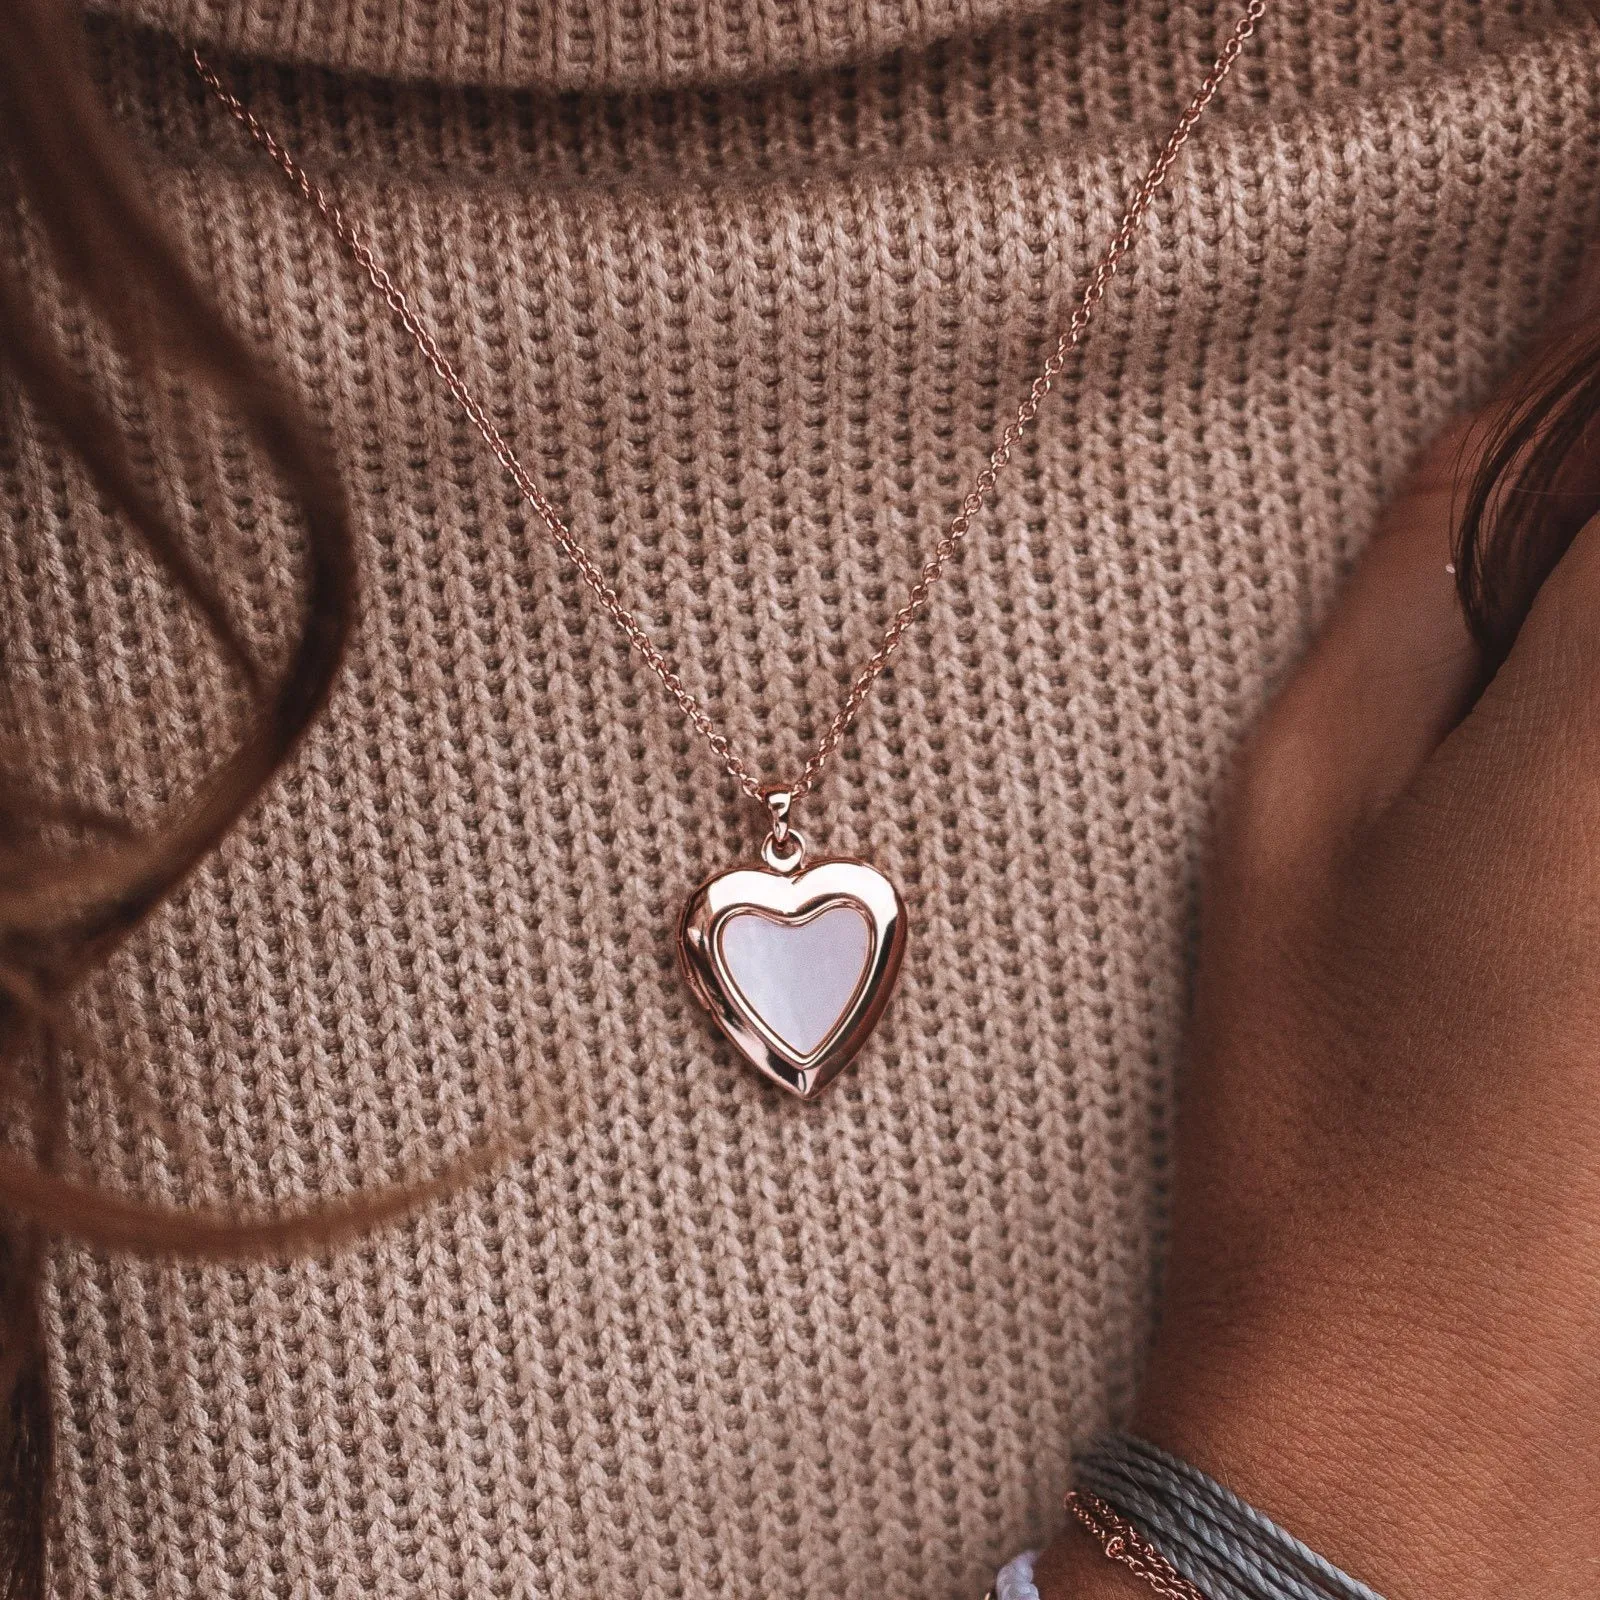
(795, 963)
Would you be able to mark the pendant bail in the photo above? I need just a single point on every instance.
(784, 848)
(778, 802)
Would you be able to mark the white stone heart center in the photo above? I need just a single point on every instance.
(798, 977)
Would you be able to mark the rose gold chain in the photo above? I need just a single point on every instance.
(1123, 1543)
(356, 246)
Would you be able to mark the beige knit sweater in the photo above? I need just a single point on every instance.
(752, 284)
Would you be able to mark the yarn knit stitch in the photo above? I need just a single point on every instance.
(753, 288)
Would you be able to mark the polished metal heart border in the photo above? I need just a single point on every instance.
(793, 896)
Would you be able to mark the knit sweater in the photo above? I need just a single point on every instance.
(752, 288)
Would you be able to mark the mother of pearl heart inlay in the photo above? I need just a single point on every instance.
(795, 960)
(798, 978)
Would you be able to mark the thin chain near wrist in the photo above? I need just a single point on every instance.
(1124, 1544)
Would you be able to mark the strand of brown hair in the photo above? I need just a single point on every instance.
(64, 911)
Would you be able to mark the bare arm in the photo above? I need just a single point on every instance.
(1383, 1317)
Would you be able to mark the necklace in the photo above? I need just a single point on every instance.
(794, 958)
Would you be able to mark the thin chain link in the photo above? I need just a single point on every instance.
(1123, 1543)
(356, 246)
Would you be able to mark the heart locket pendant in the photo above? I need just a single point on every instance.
(794, 962)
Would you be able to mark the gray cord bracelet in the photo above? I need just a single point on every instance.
(1220, 1544)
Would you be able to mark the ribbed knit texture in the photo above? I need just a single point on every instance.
(755, 337)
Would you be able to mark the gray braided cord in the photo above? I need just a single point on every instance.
(1236, 1566)
(1221, 1544)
